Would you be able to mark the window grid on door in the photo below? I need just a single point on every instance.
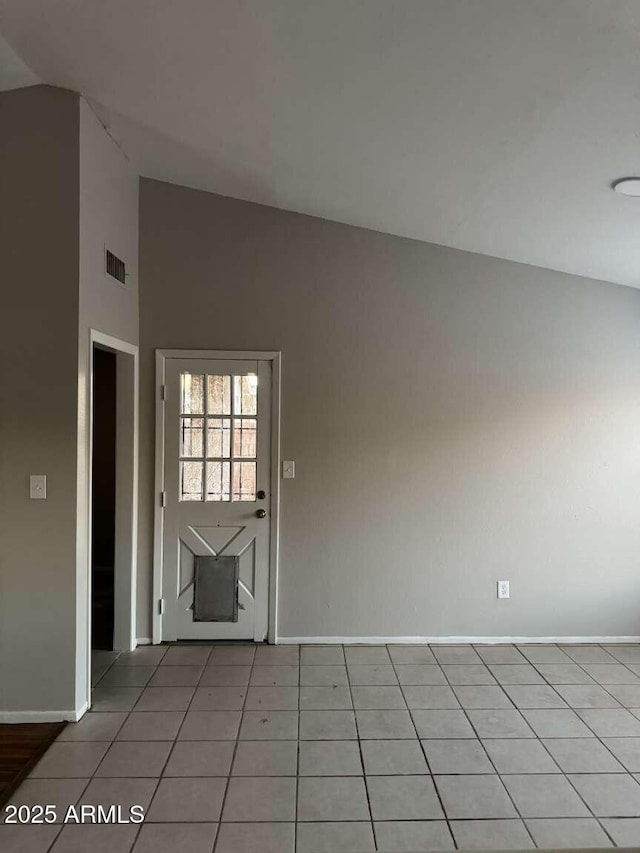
(218, 437)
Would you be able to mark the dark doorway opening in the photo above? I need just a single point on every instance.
(103, 502)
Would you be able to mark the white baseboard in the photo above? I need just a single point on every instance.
(144, 641)
(44, 716)
(419, 641)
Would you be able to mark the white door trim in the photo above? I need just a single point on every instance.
(158, 516)
(127, 431)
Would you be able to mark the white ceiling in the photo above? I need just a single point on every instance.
(495, 126)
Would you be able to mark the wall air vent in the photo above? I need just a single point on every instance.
(115, 267)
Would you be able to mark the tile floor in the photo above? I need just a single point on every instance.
(240, 749)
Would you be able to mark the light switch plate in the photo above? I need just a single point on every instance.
(38, 486)
(288, 470)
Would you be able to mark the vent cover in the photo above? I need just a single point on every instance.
(116, 268)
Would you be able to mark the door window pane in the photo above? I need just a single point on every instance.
(191, 481)
(192, 393)
(219, 395)
(219, 437)
(244, 438)
(245, 394)
(218, 481)
(218, 432)
(191, 436)
(244, 481)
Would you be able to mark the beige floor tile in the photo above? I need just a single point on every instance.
(223, 698)
(327, 725)
(366, 655)
(343, 837)
(540, 795)
(323, 676)
(327, 698)
(474, 797)
(568, 832)
(176, 676)
(378, 698)
(220, 675)
(321, 655)
(60, 793)
(187, 800)
(210, 725)
(411, 654)
(176, 838)
(275, 676)
(386, 725)
(256, 838)
(272, 698)
(134, 758)
(94, 726)
(98, 838)
(151, 725)
(332, 798)
(262, 799)
(330, 758)
(582, 755)
(200, 758)
(491, 835)
(29, 838)
(412, 836)
(269, 725)
(403, 798)
(164, 699)
(442, 724)
(456, 756)
(266, 758)
(233, 655)
(371, 674)
(64, 760)
(393, 757)
(186, 656)
(519, 756)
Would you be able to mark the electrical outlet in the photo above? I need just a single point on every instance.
(503, 589)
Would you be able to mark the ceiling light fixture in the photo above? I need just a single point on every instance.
(627, 186)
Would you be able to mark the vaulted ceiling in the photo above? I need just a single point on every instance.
(495, 126)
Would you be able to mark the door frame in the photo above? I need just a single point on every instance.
(126, 528)
(275, 357)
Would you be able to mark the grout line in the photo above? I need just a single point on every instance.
(295, 814)
(497, 774)
(364, 775)
(422, 749)
(596, 738)
(235, 748)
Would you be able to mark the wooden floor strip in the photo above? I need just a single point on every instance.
(21, 747)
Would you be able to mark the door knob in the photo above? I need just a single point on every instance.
(261, 513)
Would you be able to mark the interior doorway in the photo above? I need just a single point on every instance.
(112, 481)
(103, 505)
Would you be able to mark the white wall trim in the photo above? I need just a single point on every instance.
(275, 358)
(144, 641)
(418, 641)
(43, 716)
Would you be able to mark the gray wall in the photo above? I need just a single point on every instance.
(66, 191)
(39, 187)
(455, 420)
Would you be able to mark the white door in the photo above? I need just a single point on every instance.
(217, 492)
